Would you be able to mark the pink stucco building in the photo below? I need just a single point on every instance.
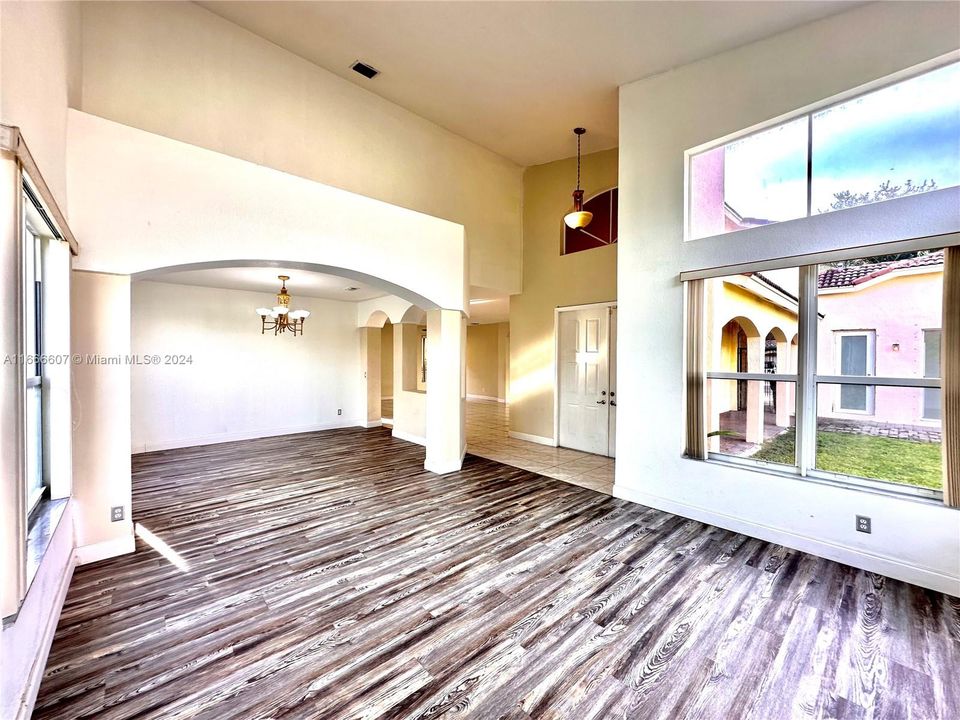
(881, 319)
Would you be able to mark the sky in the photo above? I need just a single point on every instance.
(907, 131)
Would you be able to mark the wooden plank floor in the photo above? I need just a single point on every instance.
(328, 576)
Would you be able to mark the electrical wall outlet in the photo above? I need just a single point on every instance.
(863, 524)
(116, 513)
(339, 411)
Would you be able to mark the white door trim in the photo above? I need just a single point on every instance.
(556, 356)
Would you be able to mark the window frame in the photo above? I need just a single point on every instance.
(32, 292)
(807, 381)
(807, 111)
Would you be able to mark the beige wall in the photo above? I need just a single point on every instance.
(100, 330)
(386, 361)
(486, 360)
(177, 70)
(550, 280)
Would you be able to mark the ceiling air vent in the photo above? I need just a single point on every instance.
(367, 71)
(351, 289)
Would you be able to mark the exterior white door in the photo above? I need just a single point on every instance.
(583, 357)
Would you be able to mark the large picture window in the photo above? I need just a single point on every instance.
(900, 140)
(868, 392)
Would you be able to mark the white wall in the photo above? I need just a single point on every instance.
(660, 118)
(241, 384)
(178, 70)
(141, 201)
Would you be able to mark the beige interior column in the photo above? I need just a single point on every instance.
(100, 329)
(446, 391)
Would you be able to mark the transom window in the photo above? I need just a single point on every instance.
(900, 140)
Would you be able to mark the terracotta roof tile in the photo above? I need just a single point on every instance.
(837, 277)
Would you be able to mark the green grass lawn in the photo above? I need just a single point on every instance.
(901, 461)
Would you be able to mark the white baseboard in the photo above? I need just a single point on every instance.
(106, 549)
(151, 446)
(539, 439)
(409, 437)
(486, 397)
(370, 423)
(881, 564)
(442, 468)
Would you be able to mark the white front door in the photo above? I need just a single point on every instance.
(583, 357)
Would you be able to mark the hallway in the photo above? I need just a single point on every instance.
(488, 426)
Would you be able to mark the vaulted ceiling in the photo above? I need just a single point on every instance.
(515, 77)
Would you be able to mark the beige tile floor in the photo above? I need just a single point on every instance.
(488, 425)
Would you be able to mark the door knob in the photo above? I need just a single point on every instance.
(601, 402)
(613, 403)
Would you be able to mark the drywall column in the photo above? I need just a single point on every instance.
(100, 323)
(57, 401)
(446, 391)
(370, 362)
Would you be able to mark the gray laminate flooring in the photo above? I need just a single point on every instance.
(327, 575)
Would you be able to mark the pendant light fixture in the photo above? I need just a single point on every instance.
(579, 218)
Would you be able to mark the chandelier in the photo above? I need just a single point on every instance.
(280, 318)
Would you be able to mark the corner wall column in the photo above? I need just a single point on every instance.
(100, 338)
(446, 394)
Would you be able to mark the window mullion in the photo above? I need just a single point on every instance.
(806, 408)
